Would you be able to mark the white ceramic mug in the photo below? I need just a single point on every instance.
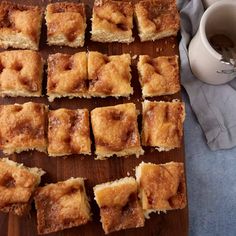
(219, 18)
(208, 3)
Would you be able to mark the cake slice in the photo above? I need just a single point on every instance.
(161, 187)
(119, 205)
(62, 205)
(68, 132)
(66, 24)
(112, 21)
(109, 75)
(17, 185)
(157, 19)
(23, 127)
(20, 26)
(67, 75)
(115, 130)
(158, 76)
(162, 124)
(21, 73)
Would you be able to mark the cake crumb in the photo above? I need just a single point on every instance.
(134, 56)
(128, 174)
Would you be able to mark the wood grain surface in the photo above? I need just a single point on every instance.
(58, 169)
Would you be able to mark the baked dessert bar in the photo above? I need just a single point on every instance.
(162, 187)
(119, 205)
(157, 19)
(67, 75)
(158, 76)
(112, 21)
(20, 26)
(23, 127)
(17, 185)
(66, 24)
(68, 132)
(163, 124)
(109, 75)
(115, 131)
(62, 205)
(21, 73)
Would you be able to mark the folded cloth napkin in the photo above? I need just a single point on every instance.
(214, 106)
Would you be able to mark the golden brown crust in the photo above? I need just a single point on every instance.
(19, 209)
(21, 73)
(62, 205)
(157, 19)
(162, 187)
(112, 21)
(109, 75)
(23, 127)
(68, 132)
(17, 184)
(66, 24)
(67, 75)
(163, 124)
(158, 76)
(119, 206)
(20, 25)
(121, 136)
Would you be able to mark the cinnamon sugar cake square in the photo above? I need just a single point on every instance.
(21, 73)
(17, 185)
(157, 19)
(163, 124)
(112, 21)
(67, 75)
(109, 75)
(68, 132)
(62, 205)
(66, 24)
(115, 130)
(119, 205)
(161, 187)
(20, 26)
(23, 127)
(158, 76)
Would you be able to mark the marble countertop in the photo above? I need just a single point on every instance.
(211, 181)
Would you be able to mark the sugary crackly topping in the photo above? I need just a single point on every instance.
(23, 124)
(62, 205)
(115, 193)
(119, 123)
(67, 73)
(56, 192)
(20, 18)
(68, 131)
(20, 70)
(159, 76)
(119, 207)
(113, 15)
(163, 186)
(157, 15)
(67, 19)
(68, 196)
(163, 124)
(109, 75)
(16, 184)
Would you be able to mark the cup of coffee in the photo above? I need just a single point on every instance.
(215, 36)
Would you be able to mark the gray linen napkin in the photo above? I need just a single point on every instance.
(214, 106)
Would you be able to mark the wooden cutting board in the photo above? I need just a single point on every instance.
(58, 169)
